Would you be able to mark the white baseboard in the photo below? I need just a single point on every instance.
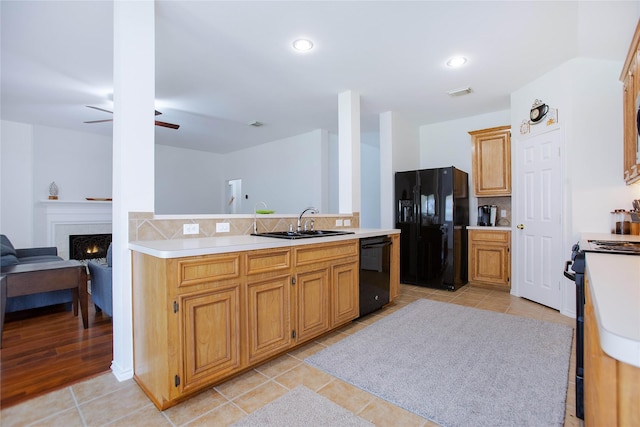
(119, 373)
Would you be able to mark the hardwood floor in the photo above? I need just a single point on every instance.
(49, 349)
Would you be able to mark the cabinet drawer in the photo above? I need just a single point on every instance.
(489, 236)
(267, 261)
(215, 268)
(325, 252)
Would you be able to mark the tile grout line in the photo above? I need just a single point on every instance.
(77, 405)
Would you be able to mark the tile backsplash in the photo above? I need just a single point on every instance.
(147, 226)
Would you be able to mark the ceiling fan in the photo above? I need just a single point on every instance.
(158, 123)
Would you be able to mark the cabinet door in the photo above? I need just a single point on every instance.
(312, 304)
(631, 96)
(210, 335)
(394, 285)
(630, 133)
(268, 317)
(600, 399)
(344, 293)
(491, 161)
(489, 260)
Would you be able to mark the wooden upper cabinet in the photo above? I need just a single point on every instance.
(630, 78)
(491, 161)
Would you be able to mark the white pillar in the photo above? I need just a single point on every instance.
(133, 156)
(349, 152)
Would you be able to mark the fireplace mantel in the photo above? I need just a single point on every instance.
(64, 217)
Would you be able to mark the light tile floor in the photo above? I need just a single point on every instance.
(103, 401)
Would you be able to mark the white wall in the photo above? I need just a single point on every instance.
(33, 157)
(588, 96)
(399, 151)
(188, 181)
(16, 183)
(370, 180)
(80, 163)
(287, 174)
(449, 144)
(333, 181)
(405, 145)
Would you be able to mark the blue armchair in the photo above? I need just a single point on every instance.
(101, 285)
(9, 256)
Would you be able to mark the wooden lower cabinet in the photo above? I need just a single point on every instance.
(209, 317)
(312, 294)
(268, 303)
(326, 287)
(344, 293)
(611, 387)
(200, 320)
(490, 258)
(268, 317)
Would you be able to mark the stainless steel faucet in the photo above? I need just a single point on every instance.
(255, 215)
(309, 209)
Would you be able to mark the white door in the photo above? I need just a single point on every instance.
(233, 193)
(538, 217)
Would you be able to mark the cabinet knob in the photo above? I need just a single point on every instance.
(520, 226)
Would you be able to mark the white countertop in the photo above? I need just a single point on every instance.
(614, 283)
(178, 248)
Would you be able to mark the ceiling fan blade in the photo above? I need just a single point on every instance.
(99, 109)
(157, 113)
(167, 125)
(99, 121)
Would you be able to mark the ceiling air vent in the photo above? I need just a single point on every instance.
(459, 92)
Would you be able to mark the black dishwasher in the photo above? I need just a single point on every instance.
(375, 256)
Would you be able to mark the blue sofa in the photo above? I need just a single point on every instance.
(101, 285)
(10, 256)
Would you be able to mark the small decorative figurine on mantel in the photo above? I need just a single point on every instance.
(53, 191)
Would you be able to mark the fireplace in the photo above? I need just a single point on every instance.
(84, 247)
(58, 219)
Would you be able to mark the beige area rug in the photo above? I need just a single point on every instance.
(459, 366)
(302, 407)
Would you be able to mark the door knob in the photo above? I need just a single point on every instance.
(520, 226)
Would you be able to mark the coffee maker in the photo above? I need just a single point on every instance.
(487, 215)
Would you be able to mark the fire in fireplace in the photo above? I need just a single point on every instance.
(88, 246)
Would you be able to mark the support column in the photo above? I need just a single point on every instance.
(133, 156)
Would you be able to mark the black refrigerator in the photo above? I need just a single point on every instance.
(432, 212)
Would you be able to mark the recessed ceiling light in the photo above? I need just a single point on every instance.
(456, 61)
(303, 45)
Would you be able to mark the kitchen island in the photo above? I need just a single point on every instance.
(207, 309)
(612, 337)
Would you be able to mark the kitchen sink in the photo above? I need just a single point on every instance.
(302, 234)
